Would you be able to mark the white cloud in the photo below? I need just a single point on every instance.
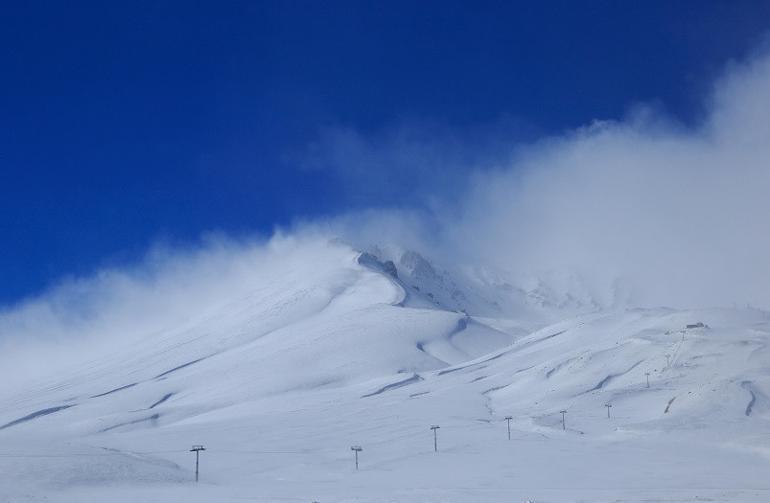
(114, 308)
(681, 214)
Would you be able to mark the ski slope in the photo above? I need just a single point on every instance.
(372, 349)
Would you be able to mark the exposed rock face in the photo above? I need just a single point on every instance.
(390, 268)
(479, 291)
(387, 266)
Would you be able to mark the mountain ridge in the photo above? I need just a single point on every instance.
(337, 347)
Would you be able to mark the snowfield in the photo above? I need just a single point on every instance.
(371, 349)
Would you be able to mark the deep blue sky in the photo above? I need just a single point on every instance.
(124, 123)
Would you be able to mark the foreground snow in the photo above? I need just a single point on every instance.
(280, 382)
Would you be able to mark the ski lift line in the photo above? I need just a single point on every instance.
(213, 451)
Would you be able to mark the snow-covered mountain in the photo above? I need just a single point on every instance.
(373, 347)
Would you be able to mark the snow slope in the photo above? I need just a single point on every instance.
(349, 349)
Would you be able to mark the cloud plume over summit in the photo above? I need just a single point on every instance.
(680, 213)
